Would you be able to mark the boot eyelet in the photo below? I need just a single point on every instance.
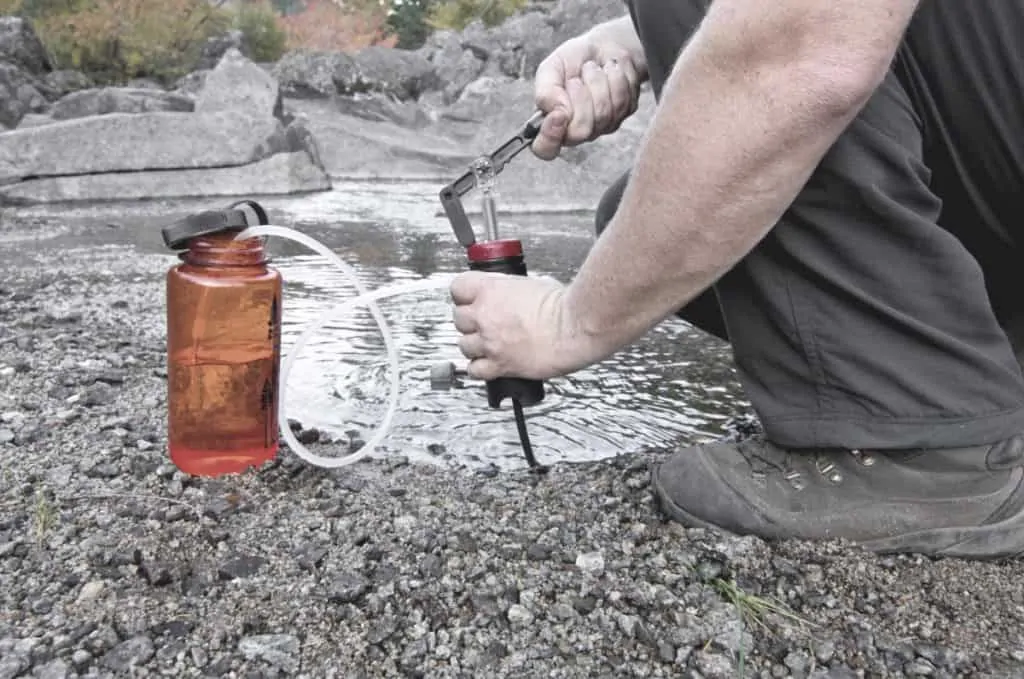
(865, 459)
(828, 469)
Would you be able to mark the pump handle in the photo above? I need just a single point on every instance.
(451, 195)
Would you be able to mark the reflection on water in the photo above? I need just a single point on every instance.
(674, 386)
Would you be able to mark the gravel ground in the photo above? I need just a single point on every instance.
(113, 563)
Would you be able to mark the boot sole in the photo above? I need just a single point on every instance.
(1002, 540)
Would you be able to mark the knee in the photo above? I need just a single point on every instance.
(609, 203)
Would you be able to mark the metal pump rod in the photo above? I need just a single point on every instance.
(483, 172)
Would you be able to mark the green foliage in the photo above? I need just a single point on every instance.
(457, 14)
(288, 7)
(407, 21)
(263, 39)
(114, 41)
(36, 8)
(117, 40)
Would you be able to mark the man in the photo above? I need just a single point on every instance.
(835, 188)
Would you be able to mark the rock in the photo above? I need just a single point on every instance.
(104, 100)
(456, 64)
(496, 105)
(34, 120)
(354, 147)
(346, 588)
(574, 17)
(407, 114)
(80, 658)
(138, 141)
(122, 142)
(307, 73)
(237, 84)
(60, 83)
(20, 93)
(217, 46)
(278, 650)
(55, 669)
(129, 654)
(241, 567)
(90, 591)
(397, 73)
(515, 47)
(283, 173)
(12, 666)
(192, 83)
(591, 563)
(21, 47)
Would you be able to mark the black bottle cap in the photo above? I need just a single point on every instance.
(208, 222)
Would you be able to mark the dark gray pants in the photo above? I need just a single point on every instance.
(880, 311)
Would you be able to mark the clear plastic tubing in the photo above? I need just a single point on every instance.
(363, 298)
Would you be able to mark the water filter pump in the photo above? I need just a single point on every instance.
(494, 254)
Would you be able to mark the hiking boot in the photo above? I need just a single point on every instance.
(962, 502)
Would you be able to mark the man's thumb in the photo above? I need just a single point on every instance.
(552, 133)
(465, 287)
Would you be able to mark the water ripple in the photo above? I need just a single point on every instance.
(671, 387)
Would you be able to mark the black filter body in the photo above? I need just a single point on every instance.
(505, 256)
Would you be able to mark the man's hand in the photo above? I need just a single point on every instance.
(587, 86)
(516, 326)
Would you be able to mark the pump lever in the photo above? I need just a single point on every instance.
(451, 194)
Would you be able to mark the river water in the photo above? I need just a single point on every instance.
(677, 385)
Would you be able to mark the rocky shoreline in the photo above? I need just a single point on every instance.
(379, 112)
(114, 564)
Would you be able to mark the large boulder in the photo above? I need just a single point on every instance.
(400, 74)
(513, 48)
(21, 93)
(20, 46)
(455, 63)
(487, 114)
(237, 84)
(114, 143)
(293, 170)
(62, 82)
(573, 17)
(97, 101)
(125, 142)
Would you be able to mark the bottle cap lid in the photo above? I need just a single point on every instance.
(209, 222)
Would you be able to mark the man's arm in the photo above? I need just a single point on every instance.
(755, 100)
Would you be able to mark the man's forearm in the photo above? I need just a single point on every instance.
(739, 129)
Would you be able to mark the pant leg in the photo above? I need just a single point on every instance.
(963, 68)
(864, 319)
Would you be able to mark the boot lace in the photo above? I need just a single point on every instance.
(765, 458)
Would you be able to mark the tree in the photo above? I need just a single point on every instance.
(407, 21)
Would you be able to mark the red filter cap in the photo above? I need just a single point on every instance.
(494, 249)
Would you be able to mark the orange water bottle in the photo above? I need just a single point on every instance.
(223, 344)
